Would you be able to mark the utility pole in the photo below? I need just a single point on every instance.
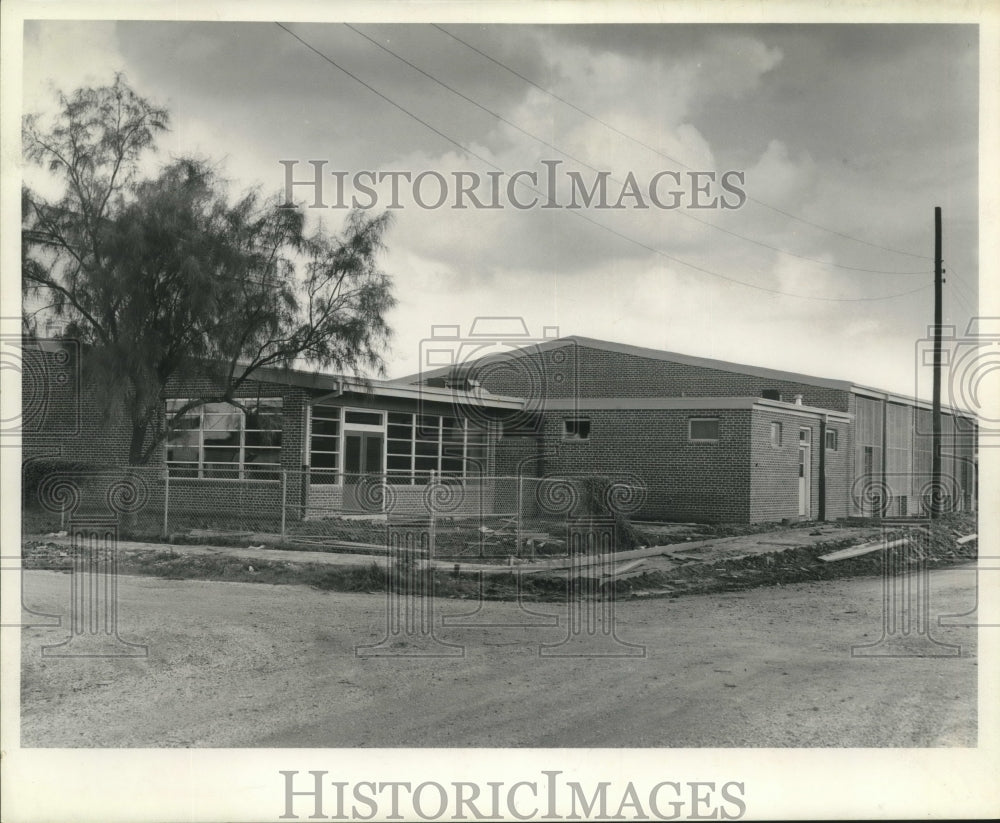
(936, 402)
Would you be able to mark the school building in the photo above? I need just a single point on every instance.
(707, 440)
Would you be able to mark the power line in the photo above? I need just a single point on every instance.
(960, 288)
(959, 280)
(583, 163)
(961, 291)
(639, 142)
(957, 295)
(579, 214)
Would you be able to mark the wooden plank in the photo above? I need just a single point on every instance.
(619, 571)
(624, 567)
(967, 539)
(858, 551)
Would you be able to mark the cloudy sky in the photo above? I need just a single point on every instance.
(848, 136)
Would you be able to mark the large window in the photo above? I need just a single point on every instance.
(419, 445)
(324, 444)
(224, 441)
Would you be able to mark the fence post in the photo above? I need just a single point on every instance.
(517, 514)
(166, 500)
(284, 497)
(304, 491)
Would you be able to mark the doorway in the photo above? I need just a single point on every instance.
(805, 453)
(363, 455)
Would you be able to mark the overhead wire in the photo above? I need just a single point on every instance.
(593, 168)
(662, 154)
(579, 214)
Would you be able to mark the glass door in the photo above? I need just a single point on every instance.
(363, 456)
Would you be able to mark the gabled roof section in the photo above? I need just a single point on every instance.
(649, 354)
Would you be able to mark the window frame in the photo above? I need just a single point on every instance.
(438, 450)
(575, 438)
(704, 440)
(333, 443)
(835, 438)
(776, 426)
(202, 468)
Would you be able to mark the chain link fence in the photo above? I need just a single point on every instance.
(467, 517)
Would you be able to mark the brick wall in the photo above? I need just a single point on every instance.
(685, 481)
(838, 472)
(62, 416)
(774, 491)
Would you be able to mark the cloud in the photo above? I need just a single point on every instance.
(861, 129)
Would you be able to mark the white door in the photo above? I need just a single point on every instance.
(805, 437)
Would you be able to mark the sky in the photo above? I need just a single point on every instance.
(847, 137)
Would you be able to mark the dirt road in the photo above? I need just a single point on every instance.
(235, 665)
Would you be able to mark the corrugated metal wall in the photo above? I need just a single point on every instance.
(905, 486)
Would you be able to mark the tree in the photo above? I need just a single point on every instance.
(165, 278)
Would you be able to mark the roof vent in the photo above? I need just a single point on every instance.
(798, 400)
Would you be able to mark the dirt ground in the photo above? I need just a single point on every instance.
(242, 665)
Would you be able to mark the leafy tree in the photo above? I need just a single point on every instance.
(165, 277)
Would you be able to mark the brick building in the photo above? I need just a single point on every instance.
(296, 439)
(712, 440)
(707, 440)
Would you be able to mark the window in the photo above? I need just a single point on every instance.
(222, 440)
(363, 418)
(324, 443)
(419, 445)
(576, 429)
(776, 434)
(703, 429)
(831, 439)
